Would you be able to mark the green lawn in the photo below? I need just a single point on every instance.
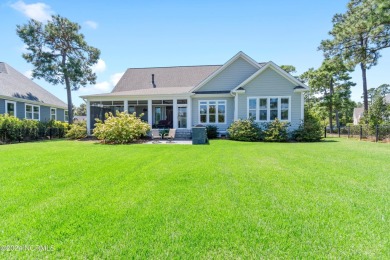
(224, 200)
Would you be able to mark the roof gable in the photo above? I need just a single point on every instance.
(239, 56)
(14, 84)
(277, 69)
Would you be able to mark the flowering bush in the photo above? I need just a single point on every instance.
(11, 127)
(120, 129)
(77, 131)
(244, 130)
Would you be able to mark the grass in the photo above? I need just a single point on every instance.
(224, 200)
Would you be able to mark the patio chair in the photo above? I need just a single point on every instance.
(156, 135)
(171, 135)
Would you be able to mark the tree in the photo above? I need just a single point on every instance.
(378, 113)
(373, 93)
(359, 35)
(332, 82)
(81, 110)
(288, 68)
(60, 54)
(370, 95)
(383, 90)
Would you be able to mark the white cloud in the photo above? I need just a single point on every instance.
(100, 66)
(38, 11)
(115, 78)
(102, 87)
(91, 24)
(28, 74)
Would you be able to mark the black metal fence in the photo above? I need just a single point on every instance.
(374, 133)
(26, 135)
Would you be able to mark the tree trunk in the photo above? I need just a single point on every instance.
(337, 119)
(365, 95)
(69, 95)
(331, 105)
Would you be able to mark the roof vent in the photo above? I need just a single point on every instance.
(154, 85)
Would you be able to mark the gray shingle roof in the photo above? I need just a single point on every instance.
(15, 84)
(164, 77)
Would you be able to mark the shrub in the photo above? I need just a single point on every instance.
(11, 127)
(77, 131)
(310, 130)
(30, 129)
(120, 129)
(212, 131)
(276, 131)
(57, 128)
(244, 130)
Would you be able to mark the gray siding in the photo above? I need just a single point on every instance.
(230, 77)
(60, 114)
(2, 106)
(229, 111)
(45, 113)
(20, 110)
(270, 83)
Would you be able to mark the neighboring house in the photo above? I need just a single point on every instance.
(185, 96)
(357, 114)
(79, 119)
(21, 97)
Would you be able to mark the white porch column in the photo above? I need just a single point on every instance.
(126, 106)
(236, 107)
(150, 112)
(175, 115)
(88, 117)
(189, 113)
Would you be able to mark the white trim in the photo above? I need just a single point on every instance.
(6, 107)
(216, 111)
(182, 106)
(302, 107)
(32, 111)
(175, 115)
(276, 68)
(55, 113)
(88, 117)
(236, 107)
(150, 112)
(269, 108)
(189, 113)
(132, 98)
(240, 54)
(66, 110)
(225, 95)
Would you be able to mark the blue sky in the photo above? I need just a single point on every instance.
(173, 33)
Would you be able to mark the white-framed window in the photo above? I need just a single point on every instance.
(53, 113)
(10, 108)
(212, 111)
(66, 116)
(265, 109)
(32, 112)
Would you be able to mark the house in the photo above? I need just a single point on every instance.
(21, 97)
(358, 113)
(185, 96)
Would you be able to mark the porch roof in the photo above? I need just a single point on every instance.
(146, 92)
